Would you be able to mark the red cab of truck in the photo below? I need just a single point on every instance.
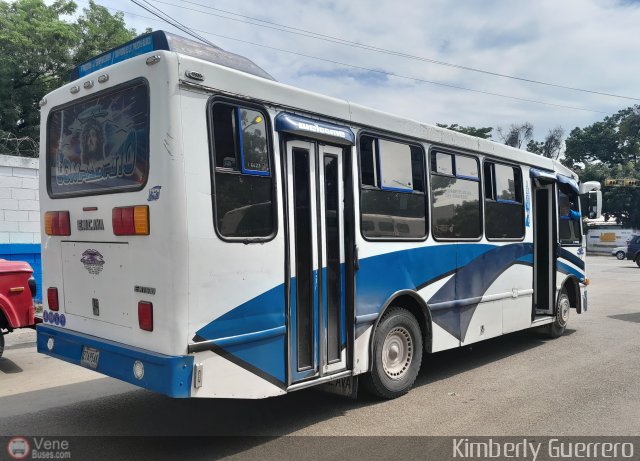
(17, 289)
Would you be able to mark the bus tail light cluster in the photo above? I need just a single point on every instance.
(57, 223)
(52, 299)
(131, 220)
(145, 315)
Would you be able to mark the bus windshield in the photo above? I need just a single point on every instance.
(99, 144)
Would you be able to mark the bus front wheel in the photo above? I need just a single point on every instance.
(556, 329)
(397, 354)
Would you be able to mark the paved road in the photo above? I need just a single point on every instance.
(584, 383)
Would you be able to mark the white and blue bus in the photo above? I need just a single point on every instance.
(210, 232)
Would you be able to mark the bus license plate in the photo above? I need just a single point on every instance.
(90, 357)
(347, 387)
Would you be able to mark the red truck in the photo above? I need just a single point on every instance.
(17, 289)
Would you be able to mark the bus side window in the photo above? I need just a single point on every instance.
(393, 196)
(242, 183)
(569, 218)
(455, 192)
(504, 203)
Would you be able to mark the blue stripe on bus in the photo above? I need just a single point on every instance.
(381, 276)
(567, 269)
(264, 312)
(565, 254)
(474, 267)
(526, 259)
(471, 281)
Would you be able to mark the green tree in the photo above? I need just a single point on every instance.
(610, 149)
(38, 49)
(516, 135)
(621, 204)
(98, 30)
(484, 132)
(613, 141)
(551, 147)
(35, 51)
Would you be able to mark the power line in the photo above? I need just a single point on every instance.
(174, 22)
(405, 77)
(391, 74)
(341, 41)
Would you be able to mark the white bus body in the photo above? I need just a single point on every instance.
(286, 284)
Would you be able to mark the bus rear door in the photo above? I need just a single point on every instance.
(317, 333)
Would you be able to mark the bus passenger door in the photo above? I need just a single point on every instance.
(317, 317)
(544, 244)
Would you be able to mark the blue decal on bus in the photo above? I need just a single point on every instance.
(473, 270)
(136, 47)
(264, 312)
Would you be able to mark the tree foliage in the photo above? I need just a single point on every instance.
(621, 204)
(610, 149)
(613, 141)
(98, 30)
(38, 50)
(517, 135)
(551, 147)
(484, 132)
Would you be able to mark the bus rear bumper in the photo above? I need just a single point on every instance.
(169, 375)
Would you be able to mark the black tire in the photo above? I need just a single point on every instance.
(1, 343)
(638, 261)
(563, 307)
(620, 255)
(399, 338)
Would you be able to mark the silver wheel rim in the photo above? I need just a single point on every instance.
(397, 352)
(563, 311)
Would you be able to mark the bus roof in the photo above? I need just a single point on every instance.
(161, 40)
(279, 93)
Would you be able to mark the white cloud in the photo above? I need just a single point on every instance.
(589, 44)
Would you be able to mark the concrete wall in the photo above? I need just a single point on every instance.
(20, 213)
(19, 208)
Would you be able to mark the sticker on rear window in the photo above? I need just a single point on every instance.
(100, 144)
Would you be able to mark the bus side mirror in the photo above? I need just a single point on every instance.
(594, 204)
(592, 190)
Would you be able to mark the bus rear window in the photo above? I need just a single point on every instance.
(100, 144)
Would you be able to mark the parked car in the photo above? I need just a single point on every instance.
(17, 289)
(633, 249)
(619, 252)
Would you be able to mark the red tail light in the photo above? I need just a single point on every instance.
(52, 299)
(130, 220)
(57, 223)
(145, 315)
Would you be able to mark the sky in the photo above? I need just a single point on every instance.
(587, 44)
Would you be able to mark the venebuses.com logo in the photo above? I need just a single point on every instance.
(18, 448)
(38, 448)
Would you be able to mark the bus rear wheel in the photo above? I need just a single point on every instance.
(556, 329)
(397, 354)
